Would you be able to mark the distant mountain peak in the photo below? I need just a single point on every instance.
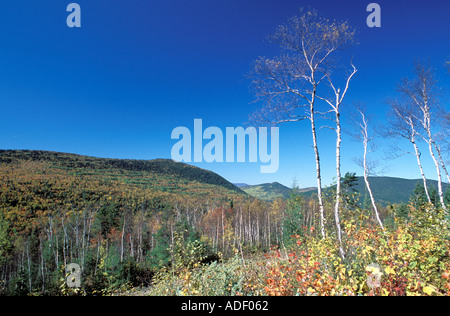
(386, 189)
(268, 191)
(240, 185)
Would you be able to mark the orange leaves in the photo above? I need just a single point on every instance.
(446, 281)
(277, 283)
(413, 260)
(297, 274)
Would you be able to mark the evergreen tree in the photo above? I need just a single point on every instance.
(293, 220)
(402, 211)
(418, 197)
(434, 196)
(367, 204)
(447, 196)
(348, 182)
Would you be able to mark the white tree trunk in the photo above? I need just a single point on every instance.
(122, 237)
(366, 180)
(319, 180)
(416, 149)
(338, 180)
(438, 171)
(438, 150)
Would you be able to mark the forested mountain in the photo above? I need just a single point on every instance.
(240, 185)
(390, 190)
(58, 208)
(77, 163)
(267, 191)
(39, 183)
(386, 190)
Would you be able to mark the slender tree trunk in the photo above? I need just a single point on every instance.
(441, 161)
(29, 266)
(366, 180)
(438, 171)
(338, 184)
(418, 154)
(140, 247)
(57, 252)
(223, 231)
(42, 264)
(122, 237)
(249, 228)
(64, 242)
(319, 179)
(427, 127)
(240, 225)
(131, 246)
(257, 230)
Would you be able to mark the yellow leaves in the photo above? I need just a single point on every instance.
(341, 272)
(431, 290)
(428, 290)
(389, 270)
(369, 248)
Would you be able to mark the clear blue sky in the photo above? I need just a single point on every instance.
(137, 69)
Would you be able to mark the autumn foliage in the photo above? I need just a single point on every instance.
(133, 228)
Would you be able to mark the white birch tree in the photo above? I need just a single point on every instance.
(402, 123)
(335, 105)
(364, 136)
(288, 85)
(423, 92)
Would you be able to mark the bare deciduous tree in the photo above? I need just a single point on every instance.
(288, 84)
(402, 123)
(422, 91)
(364, 136)
(335, 106)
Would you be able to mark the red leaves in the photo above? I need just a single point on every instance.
(296, 274)
(446, 281)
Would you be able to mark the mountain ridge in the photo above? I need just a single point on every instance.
(386, 189)
(159, 165)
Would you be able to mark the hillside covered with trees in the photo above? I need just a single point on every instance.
(58, 208)
(267, 191)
